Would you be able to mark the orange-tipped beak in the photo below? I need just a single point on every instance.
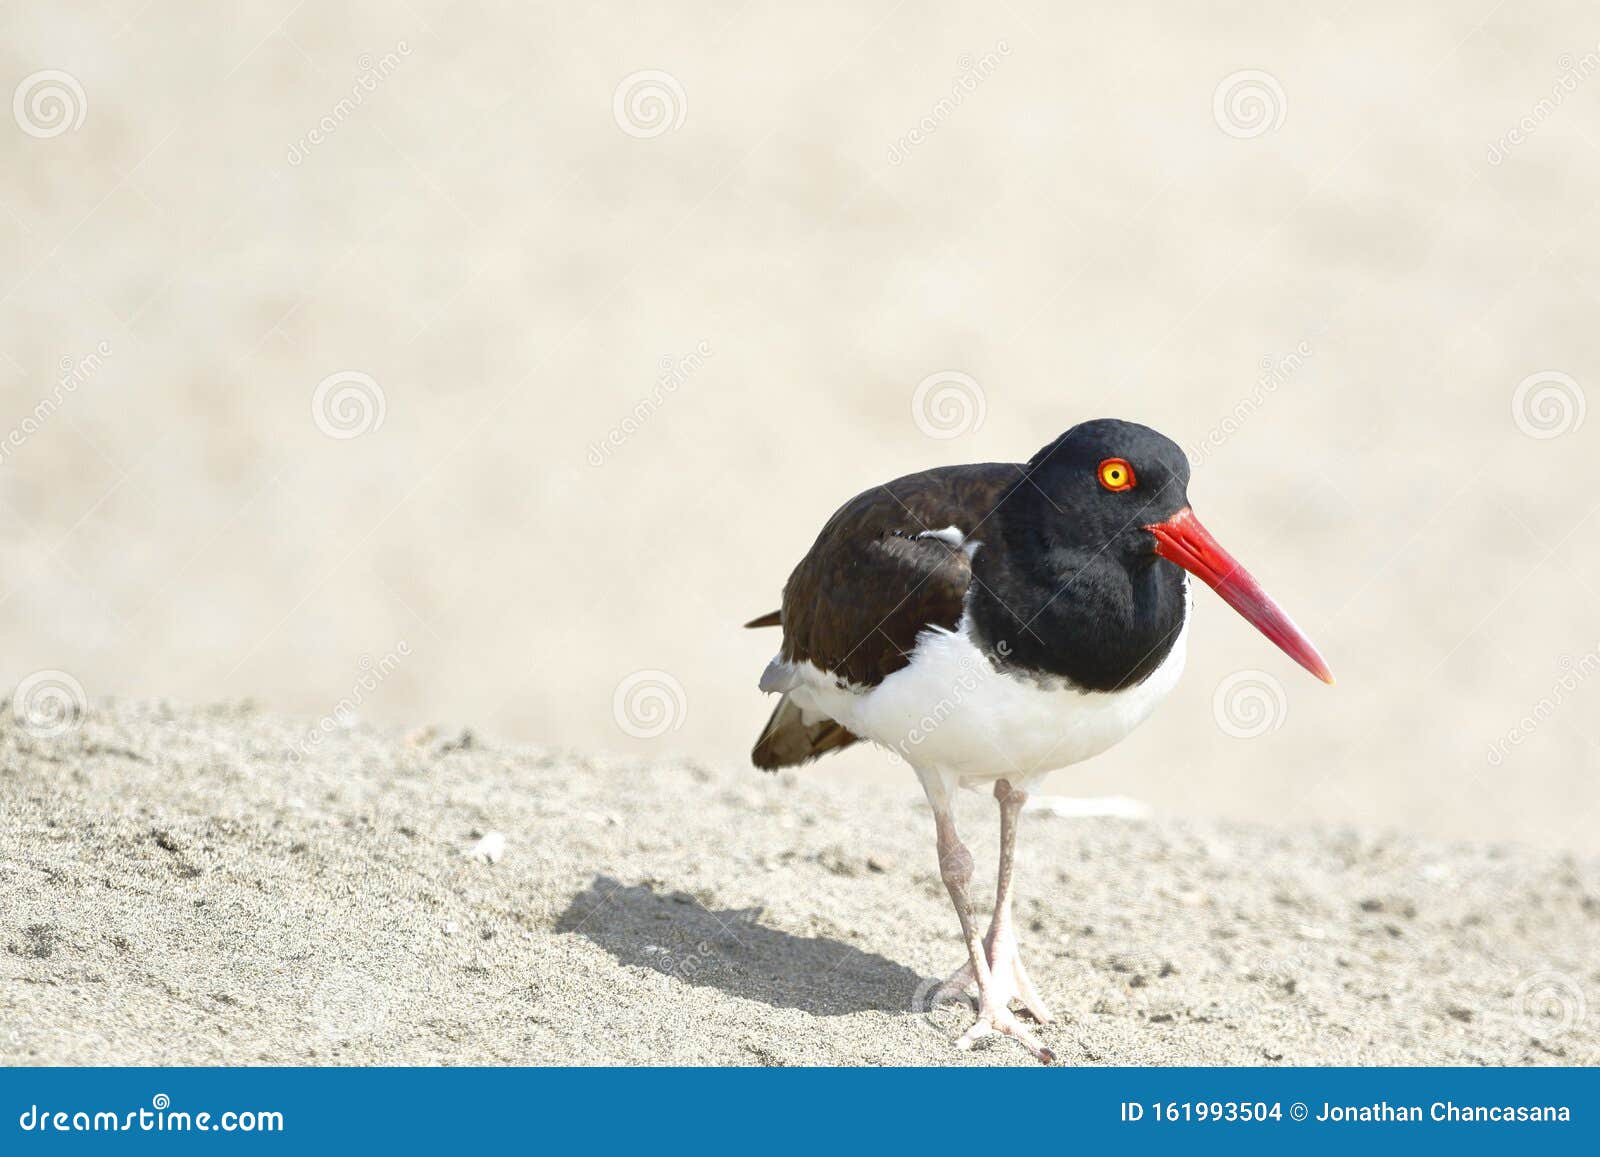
(1184, 541)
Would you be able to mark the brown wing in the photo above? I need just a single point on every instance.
(880, 574)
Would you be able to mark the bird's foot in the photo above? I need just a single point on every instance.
(998, 1019)
(1009, 980)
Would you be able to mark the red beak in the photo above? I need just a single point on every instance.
(1184, 541)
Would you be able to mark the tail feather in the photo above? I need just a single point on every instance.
(788, 740)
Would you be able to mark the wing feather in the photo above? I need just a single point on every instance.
(887, 567)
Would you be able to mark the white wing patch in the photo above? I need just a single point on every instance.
(950, 536)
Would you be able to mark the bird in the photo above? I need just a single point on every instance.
(990, 624)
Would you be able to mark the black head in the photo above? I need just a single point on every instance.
(1099, 534)
(1103, 482)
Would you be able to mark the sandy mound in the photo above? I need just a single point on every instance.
(176, 888)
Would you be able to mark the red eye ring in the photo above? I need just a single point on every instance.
(1116, 474)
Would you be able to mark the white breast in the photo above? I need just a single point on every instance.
(951, 711)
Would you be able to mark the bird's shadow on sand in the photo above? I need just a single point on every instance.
(674, 935)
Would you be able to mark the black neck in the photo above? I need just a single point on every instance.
(1046, 605)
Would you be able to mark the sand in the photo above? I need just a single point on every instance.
(175, 888)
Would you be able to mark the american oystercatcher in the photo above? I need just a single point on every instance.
(992, 623)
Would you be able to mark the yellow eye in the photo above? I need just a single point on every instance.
(1116, 474)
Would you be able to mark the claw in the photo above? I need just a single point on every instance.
(1004, 1022)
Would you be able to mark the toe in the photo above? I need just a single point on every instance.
(975, 1034)
(1031, 1001)
(1003, 1023)
(1014, 1029)
(1025, 991)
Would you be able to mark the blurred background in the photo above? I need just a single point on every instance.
(488, 364)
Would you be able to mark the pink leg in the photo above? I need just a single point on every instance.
(955, 868)
(1009, 980)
